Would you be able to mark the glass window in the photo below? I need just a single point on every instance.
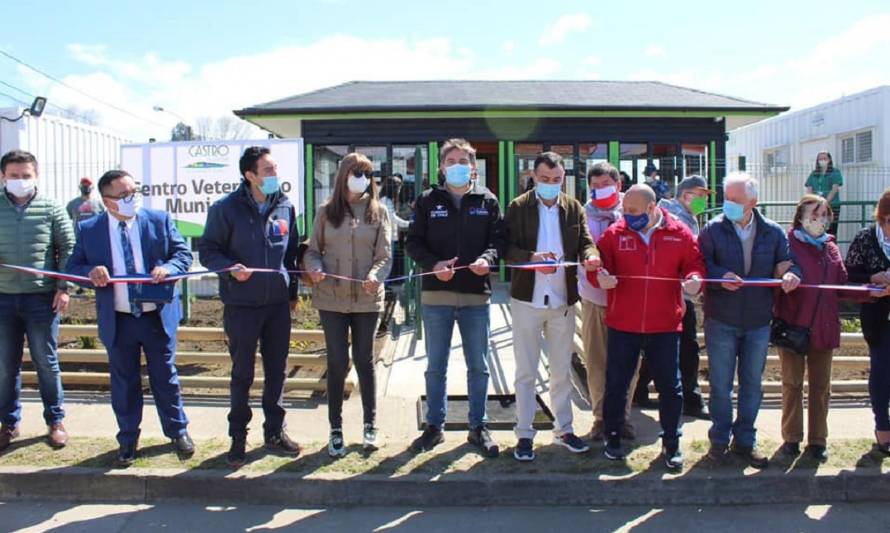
(633, 159)
(589, 154)
(667, 160)
(695, 160)
(567, 151)
(326, 159)
(524, 155)
(411, 162)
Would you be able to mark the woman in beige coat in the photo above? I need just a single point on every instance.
(350, 238)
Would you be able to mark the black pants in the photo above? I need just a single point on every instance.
(245, 326)
(689, 356)
(337, 327)
(835, 216)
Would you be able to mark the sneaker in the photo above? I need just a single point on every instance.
(598, 431)
(572, 443)
(613, 450)
(752, 455)
(717, 453)
(7, 435)
(627, 432)
(673, 457)
(369, 437)
(237, 455)
(282, 444)
(524, 451)
(336, 446)
(791, 449)
(819, 453)
(126, 455)
(481, 438)
(429, 439)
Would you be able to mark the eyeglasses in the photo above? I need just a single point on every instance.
(358, 172)
(126, 197)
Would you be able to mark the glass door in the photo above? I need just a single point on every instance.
(524, 161)
(589, 154)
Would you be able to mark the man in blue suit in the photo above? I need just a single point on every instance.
(130, 241)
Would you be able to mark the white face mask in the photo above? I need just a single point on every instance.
(358, 184)
(815, 227)
(21, 188)
(823, 163)
(128, 209)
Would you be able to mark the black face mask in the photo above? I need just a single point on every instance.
(86, 191)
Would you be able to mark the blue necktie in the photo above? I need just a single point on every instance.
(133, 289)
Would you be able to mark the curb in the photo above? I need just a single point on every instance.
(220, 487)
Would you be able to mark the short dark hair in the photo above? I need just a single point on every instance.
(109, 177)
(551, 159)
(603, 168)
(249, 158)
(17, 156)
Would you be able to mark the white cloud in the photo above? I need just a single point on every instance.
(508, 46)
(653, 50)
(563, 27)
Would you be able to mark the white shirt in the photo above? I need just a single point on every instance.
(119, 265)
(549, 287)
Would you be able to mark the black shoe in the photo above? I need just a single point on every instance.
(184, 446)
(752, 455)
(126, 455)
(791, 449)
(697, 411)
(673, 457)
(481, 438)
(524, 451)
(717, 453)
(819, 453)
(613, 450)
(282, 443)
(572, 443)
(237, 455)
(429, 439)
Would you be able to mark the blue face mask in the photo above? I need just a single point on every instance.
(637, 222)
(270, 185)
(457, 175)
(548, 191)
(733, 211)
(818, 242)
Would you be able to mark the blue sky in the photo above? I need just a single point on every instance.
(204, 58)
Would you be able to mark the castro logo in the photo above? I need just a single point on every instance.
(209, 150)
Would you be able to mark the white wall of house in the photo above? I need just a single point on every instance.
(781, 151)
(66, 150)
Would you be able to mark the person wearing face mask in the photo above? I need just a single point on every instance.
(351, 238)
(645, 315)
(655, 182)
(34, 232)
(690, 202)
(84, 206)
(604, 209)
(868, 261)
(820, 261)
(134, 318)
(543, 225)
(826, 181)
(740, 243)
(458, 224)
(255, 226)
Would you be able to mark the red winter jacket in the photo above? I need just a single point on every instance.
(648, 306)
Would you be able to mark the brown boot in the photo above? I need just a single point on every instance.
(57, 436)
(7, 434)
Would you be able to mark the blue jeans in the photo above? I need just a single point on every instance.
(726, 345)
(29, 315)
(879, 378)
(662, 356)
(473, 323)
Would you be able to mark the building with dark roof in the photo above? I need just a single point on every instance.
(399, 125)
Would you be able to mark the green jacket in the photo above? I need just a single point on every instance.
(522, 232)
(39, 237)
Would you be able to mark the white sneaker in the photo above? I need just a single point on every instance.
(336, 446)
(369, 437)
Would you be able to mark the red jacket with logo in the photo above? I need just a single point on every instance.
(647, 305)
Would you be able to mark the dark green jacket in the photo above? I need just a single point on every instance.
(522, 235)
(40, 237)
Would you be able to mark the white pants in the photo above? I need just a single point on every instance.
(558, 328)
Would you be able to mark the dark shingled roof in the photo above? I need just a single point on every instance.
(358, 96)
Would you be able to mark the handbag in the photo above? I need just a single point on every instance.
(791, 337)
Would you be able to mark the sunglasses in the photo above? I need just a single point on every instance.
(126, 197)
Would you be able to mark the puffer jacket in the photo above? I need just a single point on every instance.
(39, 237)
(357, 250)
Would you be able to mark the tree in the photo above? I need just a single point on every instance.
(222, 128)
(181, 132)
